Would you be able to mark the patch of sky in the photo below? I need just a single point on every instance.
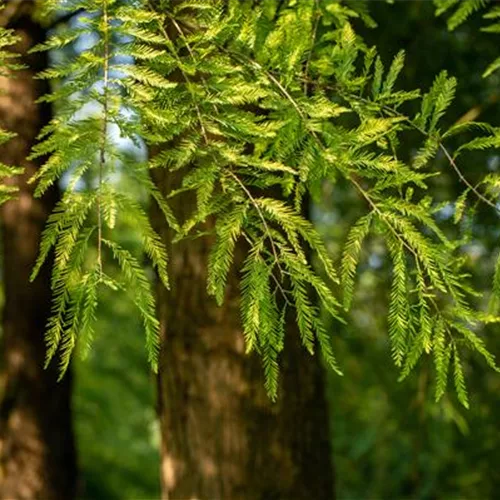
(375, 261)
(493, 163)
(446, 212)
(324, 217)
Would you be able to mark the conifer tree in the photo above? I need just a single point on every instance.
(37, 457)
(251, 106)
(209, 387)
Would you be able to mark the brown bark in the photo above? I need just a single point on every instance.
(37, 455)
(221, 435)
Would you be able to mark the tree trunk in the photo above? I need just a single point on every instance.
(221, 435)
(37, 455)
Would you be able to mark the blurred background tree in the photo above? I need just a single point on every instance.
(36, 425)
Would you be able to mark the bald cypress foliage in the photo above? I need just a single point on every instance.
(257, 104)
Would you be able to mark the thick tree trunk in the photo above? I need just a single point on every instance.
(37, 455)
(221, 436)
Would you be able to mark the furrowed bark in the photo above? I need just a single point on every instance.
(221, 435)
(37, 453)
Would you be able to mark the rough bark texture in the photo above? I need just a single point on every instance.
(221, 436)
(37, 456)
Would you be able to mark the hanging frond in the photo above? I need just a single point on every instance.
(253, 113)
(80, 144)
(462, 10)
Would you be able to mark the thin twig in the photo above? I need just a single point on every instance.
(463, 178)
(104, 129)
(377, 210)
(395, 113)
(278, 284)
(442, 147)
(261, 215)
(191, 53)
(313, 41)
(186, 78)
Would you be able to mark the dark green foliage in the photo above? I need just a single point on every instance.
(460, 10)
(494, 15)
(115, 421)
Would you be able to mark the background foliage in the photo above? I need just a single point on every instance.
(389, 438)
(114, 402)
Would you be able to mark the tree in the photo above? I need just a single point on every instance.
(221, 435)
(254, 109)
(37, 450)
